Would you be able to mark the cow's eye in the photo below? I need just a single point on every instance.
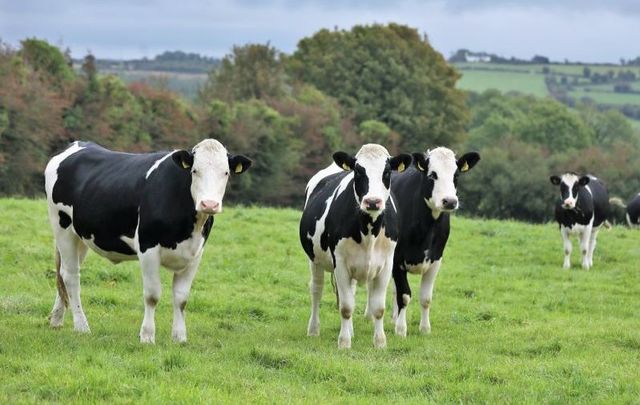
(433, 176)
(194, 171)
(226, 173)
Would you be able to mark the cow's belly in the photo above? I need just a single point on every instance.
(114, 257)
(365, 260)
(419, 268)
(184, 253)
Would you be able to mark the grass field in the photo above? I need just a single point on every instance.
(481, 80)
(509, 325)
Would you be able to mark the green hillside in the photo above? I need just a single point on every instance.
(509, 325)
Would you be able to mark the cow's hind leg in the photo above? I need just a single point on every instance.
(70, 249)
(150, 266)
(56, 319)
(426, 294)
(181, 287)
(402, 298)
(315, 286)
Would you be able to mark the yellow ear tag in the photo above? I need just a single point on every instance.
(185, 165)
(346, 167)
(238, 168)
(401, 168)
(465, 167)
(420, 167)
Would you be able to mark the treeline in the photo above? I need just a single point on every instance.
(337, 90)
(168, 61)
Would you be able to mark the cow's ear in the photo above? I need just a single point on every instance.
(344, 160)
(421, 161)
(584, 180)
(555, 180)
(183, 159)
(239, 164)
(467, 161)
(400, 162)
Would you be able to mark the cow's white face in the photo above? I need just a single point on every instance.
(440, 171)
(372, 168)
(210, 167)
(570, 184)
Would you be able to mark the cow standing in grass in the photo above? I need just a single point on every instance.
(349, 227)
(156, 208)
(582, 209)
(425, 195)
(632, 210)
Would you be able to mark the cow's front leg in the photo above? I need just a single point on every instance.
(592, 245)
(402, 298)
(585, 237)
(426, 294)
(566, 240)
(347, 305)
(181, 288)
(376, 296)
(150, 266)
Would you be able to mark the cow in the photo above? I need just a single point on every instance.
(632, 210)
(583, 208)
(349, 228)
(425, 196)
(156, 208)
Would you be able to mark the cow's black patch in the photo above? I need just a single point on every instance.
(65, 219)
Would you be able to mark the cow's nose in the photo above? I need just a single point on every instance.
(373, 203)
(450, 203)
(210, 206)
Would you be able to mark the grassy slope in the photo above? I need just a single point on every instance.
(481, 80)
(508, 323)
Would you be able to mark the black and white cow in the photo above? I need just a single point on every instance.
(425, 196)
(156, 208)
(582, 209)
(631, 209)
(349, 227)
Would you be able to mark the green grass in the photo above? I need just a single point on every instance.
(509, 325)
(481, 80)
(606, 97)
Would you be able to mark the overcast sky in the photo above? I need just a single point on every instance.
(585, 30)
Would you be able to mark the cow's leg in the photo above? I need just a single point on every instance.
(566, 239)
(585, 237)
(347, 305)
(426, 294)
(315, 286)
(592, 245)
(401, 299)
(150, 266)
(376, 297)
(70, 248)
(181, 288)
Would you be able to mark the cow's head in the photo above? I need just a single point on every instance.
(210, 166)
(440, 171)
(570, 184)
(371, 168)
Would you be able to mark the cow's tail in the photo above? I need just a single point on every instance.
(62, 289)
(335, 289)
(617, 201)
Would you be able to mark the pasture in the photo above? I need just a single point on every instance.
(509, 324)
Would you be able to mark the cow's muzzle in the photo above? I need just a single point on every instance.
(372, 204)
(210, 207)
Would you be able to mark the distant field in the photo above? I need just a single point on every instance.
(481, 80)
(509, 325)
(186, 84)
(606, 97)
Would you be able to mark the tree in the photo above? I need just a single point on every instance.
(250, 71)
(389, 74)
